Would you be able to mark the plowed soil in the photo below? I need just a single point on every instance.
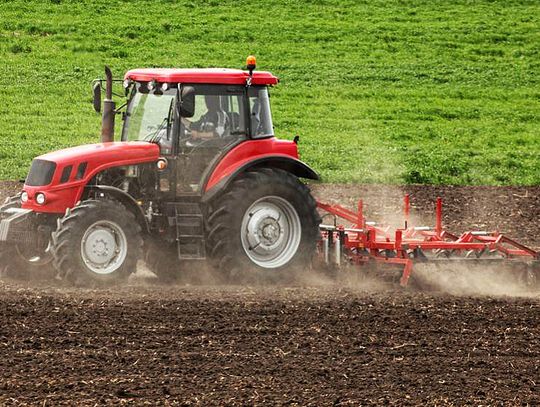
(317, 343)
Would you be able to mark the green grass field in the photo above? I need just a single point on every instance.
(433, 91)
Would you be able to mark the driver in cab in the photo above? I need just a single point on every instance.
(215, 123)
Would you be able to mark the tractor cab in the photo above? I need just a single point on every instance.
(194, 123)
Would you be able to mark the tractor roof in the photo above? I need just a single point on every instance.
(204, 75)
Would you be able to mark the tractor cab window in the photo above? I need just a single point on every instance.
(150, 117)
(218, 118)
(261, 117)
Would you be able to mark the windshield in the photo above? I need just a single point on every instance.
(149, 117)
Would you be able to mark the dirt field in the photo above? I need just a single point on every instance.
(312, 344)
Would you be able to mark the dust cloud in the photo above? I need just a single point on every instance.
(475, 280)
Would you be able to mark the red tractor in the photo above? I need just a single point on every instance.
(197, 174)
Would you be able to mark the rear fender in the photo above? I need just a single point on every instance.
(289, 164)
(125, 199)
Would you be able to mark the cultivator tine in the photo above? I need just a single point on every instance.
(438, 219)
(369, 242)
(406, 209)
(406, 273)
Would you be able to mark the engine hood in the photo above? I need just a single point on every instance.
(62, 175)
(101, 154)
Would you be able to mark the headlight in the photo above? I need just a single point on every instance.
(40, 198)
(24, 196)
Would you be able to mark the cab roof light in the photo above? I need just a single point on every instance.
(251, 64)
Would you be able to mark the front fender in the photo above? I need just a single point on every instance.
(125, 199)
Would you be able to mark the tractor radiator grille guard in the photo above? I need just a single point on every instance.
(18, 225)
(365, 242)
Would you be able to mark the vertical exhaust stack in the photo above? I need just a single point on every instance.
(109, 107)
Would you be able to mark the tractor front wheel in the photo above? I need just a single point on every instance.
(98, 242)
(266, 225)
(21, 262)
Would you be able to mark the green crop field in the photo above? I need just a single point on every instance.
(432, 91)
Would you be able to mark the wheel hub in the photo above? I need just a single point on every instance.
(264, 228)
(271, 232)
(104, 247)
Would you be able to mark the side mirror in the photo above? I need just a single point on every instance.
(97, 96)
(187, 101)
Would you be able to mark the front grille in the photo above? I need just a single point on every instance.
(41, 173)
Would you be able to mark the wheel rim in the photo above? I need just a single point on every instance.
(104, 247)
(271, 232)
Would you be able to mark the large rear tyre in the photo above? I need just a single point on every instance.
(265, 226)
(97, 243)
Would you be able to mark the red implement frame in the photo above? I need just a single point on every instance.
(364, 241)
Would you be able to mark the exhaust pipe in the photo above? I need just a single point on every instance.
(109, 107)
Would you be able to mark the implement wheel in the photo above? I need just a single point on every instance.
(266, 225)
(529, 277)
(97, 243)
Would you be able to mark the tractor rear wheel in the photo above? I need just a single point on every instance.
(98, 242)
(266, 226)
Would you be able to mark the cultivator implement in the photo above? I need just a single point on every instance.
(364, 243)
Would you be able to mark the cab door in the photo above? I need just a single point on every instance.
(218, 124)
